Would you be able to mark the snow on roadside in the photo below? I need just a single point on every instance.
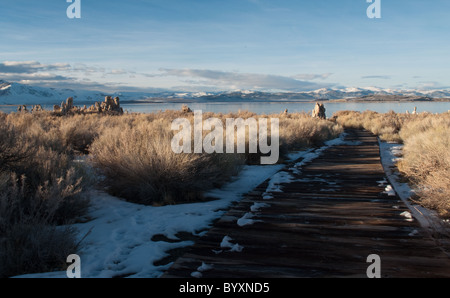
(390, 154)
(278, 179)
(247, 219)
(390, 191)
(307, 156)
(202, 268)
(257, 206)
(285, 177)
(407, 215)
(118, 238)
(234, 247)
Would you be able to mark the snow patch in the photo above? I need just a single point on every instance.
(205, 267)
(293, 156)
(227, 244)
(257, 206)
(382, 183)
(118, 238)
(246, 219)
(389, 191)
(267, 196)
(278, 179)
(309, 155)
(407, 215)
(197, 274)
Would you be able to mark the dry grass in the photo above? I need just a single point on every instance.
(426, 160)
(300, 130)
(426, 152)
(387, 126)
(134, 155)
(29, 249)
(138, 163)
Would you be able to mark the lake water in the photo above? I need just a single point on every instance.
(277, 107)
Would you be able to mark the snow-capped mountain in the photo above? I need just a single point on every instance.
(19, 94)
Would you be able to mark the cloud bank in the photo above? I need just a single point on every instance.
(32, 71)
(56, 75)
(81, 76)
(236, 80)
(381, 77)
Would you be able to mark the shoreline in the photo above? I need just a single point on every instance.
(235, 101)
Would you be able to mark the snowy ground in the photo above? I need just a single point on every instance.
(118, 239)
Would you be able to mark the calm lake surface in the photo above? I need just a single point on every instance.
(277, 107)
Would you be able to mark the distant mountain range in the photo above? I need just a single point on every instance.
(20, 94)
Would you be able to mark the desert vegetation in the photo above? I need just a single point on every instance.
(41, 189)
(50, 160)
(137, 161)
(426, 151)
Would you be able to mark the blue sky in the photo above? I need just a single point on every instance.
(292, 45)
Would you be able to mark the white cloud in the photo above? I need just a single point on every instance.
(64, 75)
(431, 85)
(312, 76)
(118, 72)
(26, 71)
(30, 67)
(381, 77)
(236, 80)
(33, 77)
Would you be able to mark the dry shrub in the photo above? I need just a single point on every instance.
(138, 164)
(27, 249)
(70, 134)
(134, 154)
(298, 131)
(78, 133)
(30, 239)
(14, 147)
(40, 188)
(133, 151)
(349, 119)
(426, 160)
(58, 201)
(387, 125)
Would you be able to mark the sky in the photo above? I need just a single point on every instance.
(208, 45)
